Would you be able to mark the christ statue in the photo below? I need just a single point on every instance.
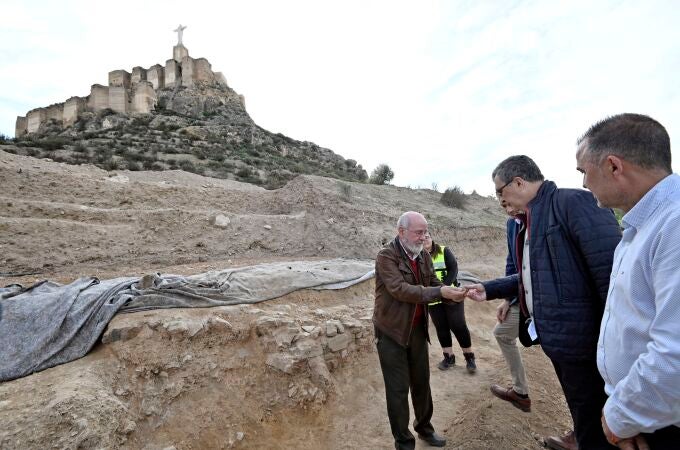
(179, 31)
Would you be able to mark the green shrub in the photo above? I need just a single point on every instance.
(345, 191)
(52, 143)
(187, 166)
(243, 172)
(454, 197)
(381, 175)
(106, 112)
(110, 165)
(80, 148)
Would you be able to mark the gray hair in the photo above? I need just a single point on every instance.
(517, 166)
(405, 219)
(636, 138)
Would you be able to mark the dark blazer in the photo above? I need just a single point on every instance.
(571, 250)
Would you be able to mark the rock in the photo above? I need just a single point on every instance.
(129, 426)
(292, 391)
(240, 435)
(220, 221)
(306, 348)
(267, 227)
(283, 362)
(148, 281)
(319, 370)
(123, 333)
(308, 328)
(351, 322)
(118, 179)
(284, 337)
(339, 342)
(183, 326)
(219, 324)
(331, 329)
(266, 324)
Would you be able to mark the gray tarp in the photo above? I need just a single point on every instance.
(49, 324)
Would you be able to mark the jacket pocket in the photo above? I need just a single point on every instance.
(407, 274)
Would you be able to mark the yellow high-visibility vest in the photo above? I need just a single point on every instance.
(439, 269)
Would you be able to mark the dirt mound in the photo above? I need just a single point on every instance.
(297, 372)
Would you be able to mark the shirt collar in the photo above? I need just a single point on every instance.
(644, 208)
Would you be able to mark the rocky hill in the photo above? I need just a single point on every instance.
(204, 129)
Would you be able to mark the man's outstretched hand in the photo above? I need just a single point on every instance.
(454, 294)
(477, 292)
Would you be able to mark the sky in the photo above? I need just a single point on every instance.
(441, 91)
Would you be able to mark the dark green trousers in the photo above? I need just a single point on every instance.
(404, 369)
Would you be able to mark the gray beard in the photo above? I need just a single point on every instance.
(414, 249)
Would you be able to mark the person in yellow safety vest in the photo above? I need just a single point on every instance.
(449, 318)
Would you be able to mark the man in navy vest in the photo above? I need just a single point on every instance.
(562, 245)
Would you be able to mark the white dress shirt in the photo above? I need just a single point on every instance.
(638, 351)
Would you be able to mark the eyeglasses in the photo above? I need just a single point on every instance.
(499, 191)
(419, 233)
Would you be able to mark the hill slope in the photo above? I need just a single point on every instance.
(298, 372)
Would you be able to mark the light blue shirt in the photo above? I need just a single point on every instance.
(638, 352)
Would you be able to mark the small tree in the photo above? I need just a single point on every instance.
(454, 197)
(381, 175)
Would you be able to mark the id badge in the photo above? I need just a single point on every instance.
(532, 330)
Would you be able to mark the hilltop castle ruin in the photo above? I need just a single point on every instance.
(126, 93)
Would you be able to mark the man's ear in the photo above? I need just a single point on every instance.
(614, 164)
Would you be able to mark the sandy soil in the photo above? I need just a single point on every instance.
(61, 222)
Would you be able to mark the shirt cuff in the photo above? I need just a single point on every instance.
(616, 421)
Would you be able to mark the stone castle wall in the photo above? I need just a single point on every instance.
(72, 109)
(156, 76)
(127, 92)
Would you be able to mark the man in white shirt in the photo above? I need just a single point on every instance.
(626, 163)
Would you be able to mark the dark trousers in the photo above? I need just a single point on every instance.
(664, 439)
(448, 318)
(584, 390)
(405, 368)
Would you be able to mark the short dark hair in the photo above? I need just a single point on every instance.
(633, 137)
(517, 166)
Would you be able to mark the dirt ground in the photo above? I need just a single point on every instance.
(61, 222)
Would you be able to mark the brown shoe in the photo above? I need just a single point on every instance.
(509, 395)
(566, 442)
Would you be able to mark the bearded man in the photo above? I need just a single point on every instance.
(405, 282)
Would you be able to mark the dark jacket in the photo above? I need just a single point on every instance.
(397, 293)
(571, 248)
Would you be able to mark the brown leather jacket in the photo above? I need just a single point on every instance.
(396, 291)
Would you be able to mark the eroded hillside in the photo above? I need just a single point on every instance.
(299, 371)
